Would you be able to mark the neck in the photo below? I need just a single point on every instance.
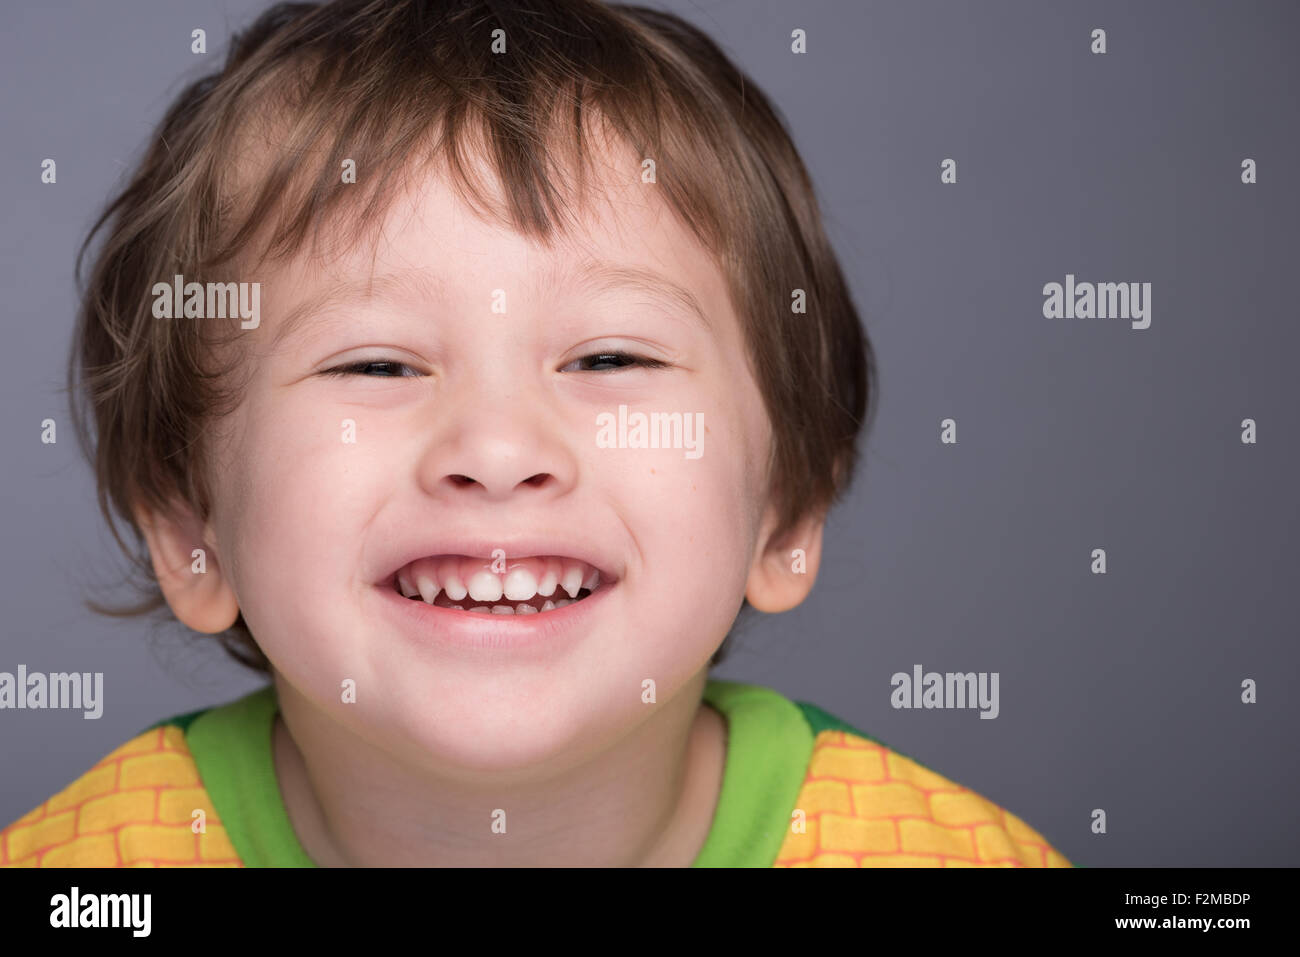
(648, 800)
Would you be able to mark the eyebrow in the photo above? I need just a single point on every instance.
(603, 276)
(423, 284)
(414, 283)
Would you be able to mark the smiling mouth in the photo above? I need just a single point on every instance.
(527, 586)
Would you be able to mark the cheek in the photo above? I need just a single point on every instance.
(696, 520)
(293, 499)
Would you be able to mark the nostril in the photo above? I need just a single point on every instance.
(537, 479)
(462, 479)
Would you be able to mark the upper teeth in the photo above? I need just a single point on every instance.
(522, 580)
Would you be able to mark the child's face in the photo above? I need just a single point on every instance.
(489, 440)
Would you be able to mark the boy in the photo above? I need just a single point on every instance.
(465, 369)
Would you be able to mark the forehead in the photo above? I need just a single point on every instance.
(432, 244)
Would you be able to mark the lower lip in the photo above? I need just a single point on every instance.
(546, 632)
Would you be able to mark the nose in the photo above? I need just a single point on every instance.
(495, 447)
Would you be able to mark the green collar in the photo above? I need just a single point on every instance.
(769, 743)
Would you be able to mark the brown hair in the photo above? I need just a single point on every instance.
(255, 151)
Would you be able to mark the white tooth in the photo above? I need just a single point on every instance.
(404, 586)
(459, 607)
(562, 602)
(428, 590)
(548, 606)
(522, 609)
(550, 578)
(485, 586)
(572, 580)
(449, 575)
(592, 580)
(520, 584)
(482, 608)
(502, 610)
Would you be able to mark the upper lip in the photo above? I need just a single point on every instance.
(514, 548)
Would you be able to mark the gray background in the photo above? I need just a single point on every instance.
(1119, 691)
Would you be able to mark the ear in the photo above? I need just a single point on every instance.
(195, 587)
(785, 568)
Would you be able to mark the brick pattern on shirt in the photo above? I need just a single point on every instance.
(865, 805)
(132, 809)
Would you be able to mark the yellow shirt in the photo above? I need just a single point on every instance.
(800, 789)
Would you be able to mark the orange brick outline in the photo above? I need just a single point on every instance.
(1033, 850)
(161, 762)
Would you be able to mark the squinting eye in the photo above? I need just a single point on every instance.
(364, 368)
(616, 360)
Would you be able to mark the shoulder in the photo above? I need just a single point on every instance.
(863, 804)
(135, 807)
